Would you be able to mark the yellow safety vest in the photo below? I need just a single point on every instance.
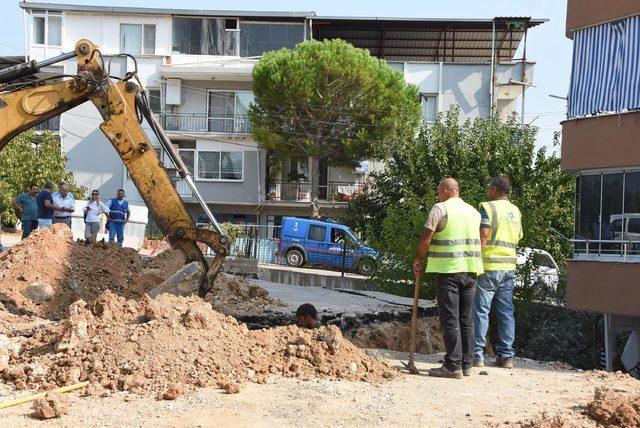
(457, 247)
(505, 233)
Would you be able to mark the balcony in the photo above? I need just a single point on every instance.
(300, 191)
(181, 187)
(203, 123)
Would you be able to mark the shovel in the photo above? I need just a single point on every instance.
(410, 365)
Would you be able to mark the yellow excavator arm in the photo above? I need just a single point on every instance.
(122, 104)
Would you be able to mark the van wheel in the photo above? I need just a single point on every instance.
(366, 266)
(295, 258)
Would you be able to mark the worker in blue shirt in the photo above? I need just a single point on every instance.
(118, 216)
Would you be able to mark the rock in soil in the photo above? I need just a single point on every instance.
(52, 405)
(229, 387)
(173, 392)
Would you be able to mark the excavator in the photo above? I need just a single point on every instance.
(122, 102)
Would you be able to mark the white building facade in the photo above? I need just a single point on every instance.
(197, 64)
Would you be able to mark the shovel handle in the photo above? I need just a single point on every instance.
(414, 321)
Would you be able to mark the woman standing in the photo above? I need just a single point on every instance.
(92, 216)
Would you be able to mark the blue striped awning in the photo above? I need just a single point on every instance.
(605, 74)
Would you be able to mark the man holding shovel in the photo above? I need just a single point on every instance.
(451, 241)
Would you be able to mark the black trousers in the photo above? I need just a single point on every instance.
(456, 292)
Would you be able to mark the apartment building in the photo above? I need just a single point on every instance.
(600, 145)
(197, 65)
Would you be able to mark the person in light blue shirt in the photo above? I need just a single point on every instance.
(61, 185)
(27, 204)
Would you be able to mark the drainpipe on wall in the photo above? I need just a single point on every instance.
(493, 65)
(440, 101)
(26, 35)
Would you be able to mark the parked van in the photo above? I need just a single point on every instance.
(312, 242)
(629, 229)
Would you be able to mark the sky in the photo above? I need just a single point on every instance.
(547, 44)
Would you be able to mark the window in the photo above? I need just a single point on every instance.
(258, 38)
(224, 165)
(316, 233)
(47, 28)
(607, 204)
(634, 225)
(337, 235)
(188, 157)
(136, 39)
(231, 165)
(203, 36)
(228, 111)
(155, 100)
(429, 107)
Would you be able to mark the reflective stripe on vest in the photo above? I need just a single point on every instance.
(457, 247)
(506, 231)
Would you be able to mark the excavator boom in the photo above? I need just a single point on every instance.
(122, 105)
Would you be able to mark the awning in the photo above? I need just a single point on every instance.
(605, 74)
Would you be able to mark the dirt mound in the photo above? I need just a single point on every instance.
(614, 408)
(233, 295)
(147, 345)
(49, 260)
(395, 335)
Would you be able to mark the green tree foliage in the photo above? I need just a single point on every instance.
(328, 100)
(31, 158)
(472, 152)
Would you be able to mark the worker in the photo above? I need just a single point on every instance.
(118, 216)
(27, 205)
(307, 316)
(451, 241)
(46, 206)
(500, 232)
(62, 199)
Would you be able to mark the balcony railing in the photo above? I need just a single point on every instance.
(52, 125)
(606, 249)
(181, 186)
(300, 191)
(199, 122)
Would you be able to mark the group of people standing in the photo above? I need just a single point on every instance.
(42, 208)
(473, 255)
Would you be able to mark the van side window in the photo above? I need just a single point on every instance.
(316, 233)
(634, 225)
(337, 236)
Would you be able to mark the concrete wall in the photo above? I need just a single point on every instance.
(466, 85)
(601, 142)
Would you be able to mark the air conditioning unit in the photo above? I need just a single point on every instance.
(173, 92)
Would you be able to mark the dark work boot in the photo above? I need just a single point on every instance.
(504, 362)
(445, 372)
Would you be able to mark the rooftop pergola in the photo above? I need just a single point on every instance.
(437, 40)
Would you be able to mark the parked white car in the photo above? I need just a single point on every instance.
(545, 269)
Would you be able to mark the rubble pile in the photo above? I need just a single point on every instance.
(93, 321)
(233, 295)
(614, 408)
(152, 345)
(44, 274)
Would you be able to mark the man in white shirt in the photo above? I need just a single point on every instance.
(67, 203)
(92, 212)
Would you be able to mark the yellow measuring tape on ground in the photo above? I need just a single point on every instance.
(34, 397)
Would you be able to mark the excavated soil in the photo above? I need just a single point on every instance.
(74, 312)
(610, 407)
(395, 335)
(146, 345)
(233, 295)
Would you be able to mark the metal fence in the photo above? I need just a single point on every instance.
(201, 122)
(52, 125)
(261, 242)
